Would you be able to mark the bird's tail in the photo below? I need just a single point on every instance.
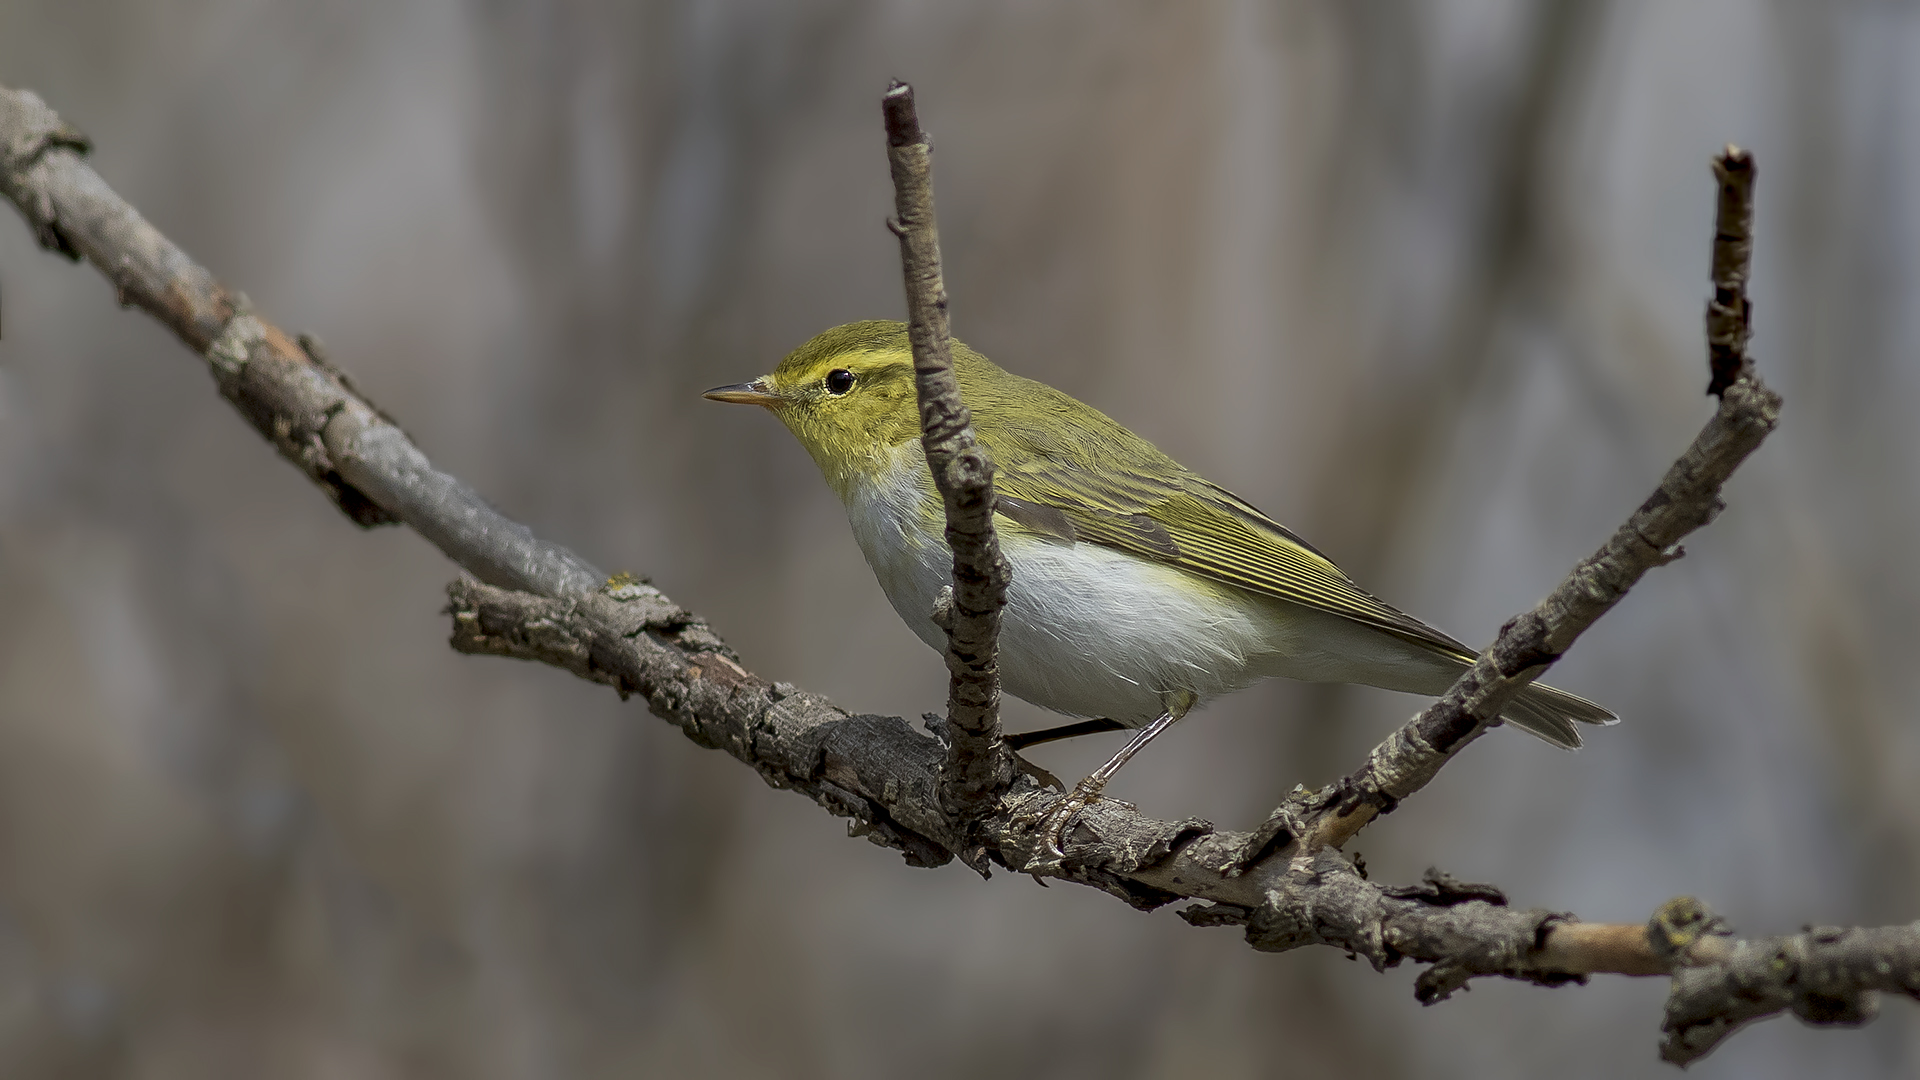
(1550, 714)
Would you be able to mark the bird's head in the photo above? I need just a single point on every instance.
(847, 395)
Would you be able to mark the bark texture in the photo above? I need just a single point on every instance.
(979, 765)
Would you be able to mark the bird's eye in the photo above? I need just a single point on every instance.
(839, 381)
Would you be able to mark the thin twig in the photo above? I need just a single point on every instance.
(979, 767)
(1729, 314)
(1687, 498)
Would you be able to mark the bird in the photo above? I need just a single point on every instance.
(1140, 590)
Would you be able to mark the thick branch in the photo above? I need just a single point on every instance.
(308, 410)
(880, 772)
(885, 776)
(1825, 976)
(979, 765)
(1687, 498)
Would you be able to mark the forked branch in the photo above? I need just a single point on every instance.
(1687, 498)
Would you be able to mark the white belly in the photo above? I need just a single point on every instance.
(1088, 630)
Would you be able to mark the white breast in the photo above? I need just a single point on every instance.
(1088, 630)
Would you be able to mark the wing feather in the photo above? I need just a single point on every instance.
(1145, 503)
(1186, 521)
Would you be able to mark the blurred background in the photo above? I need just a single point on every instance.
(1424, 280)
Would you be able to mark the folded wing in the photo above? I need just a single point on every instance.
(1170, 515)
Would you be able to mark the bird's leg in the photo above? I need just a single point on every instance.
(1020, 740)
(1040, 775)
(1054, 828)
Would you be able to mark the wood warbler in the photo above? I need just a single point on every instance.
(1139, 588)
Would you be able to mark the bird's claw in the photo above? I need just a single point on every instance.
(1039, 774)
(1053, 828)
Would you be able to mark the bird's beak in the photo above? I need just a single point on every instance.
(746, 393)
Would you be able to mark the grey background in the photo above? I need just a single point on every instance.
(1424, 280)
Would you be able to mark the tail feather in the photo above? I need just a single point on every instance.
(1550, 714)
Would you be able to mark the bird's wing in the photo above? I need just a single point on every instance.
(1172, 516)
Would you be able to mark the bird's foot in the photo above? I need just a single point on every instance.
(1060, 819)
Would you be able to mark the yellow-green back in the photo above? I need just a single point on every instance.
(1064, 470)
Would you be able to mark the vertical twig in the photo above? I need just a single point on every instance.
(979, 766)
(1688, 497)
(1729, 315)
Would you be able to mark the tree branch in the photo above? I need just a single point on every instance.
(1826, 976)
(1286, 884)
(1729, 315)
(1687, 498)
(979, 766)
(306, 408)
